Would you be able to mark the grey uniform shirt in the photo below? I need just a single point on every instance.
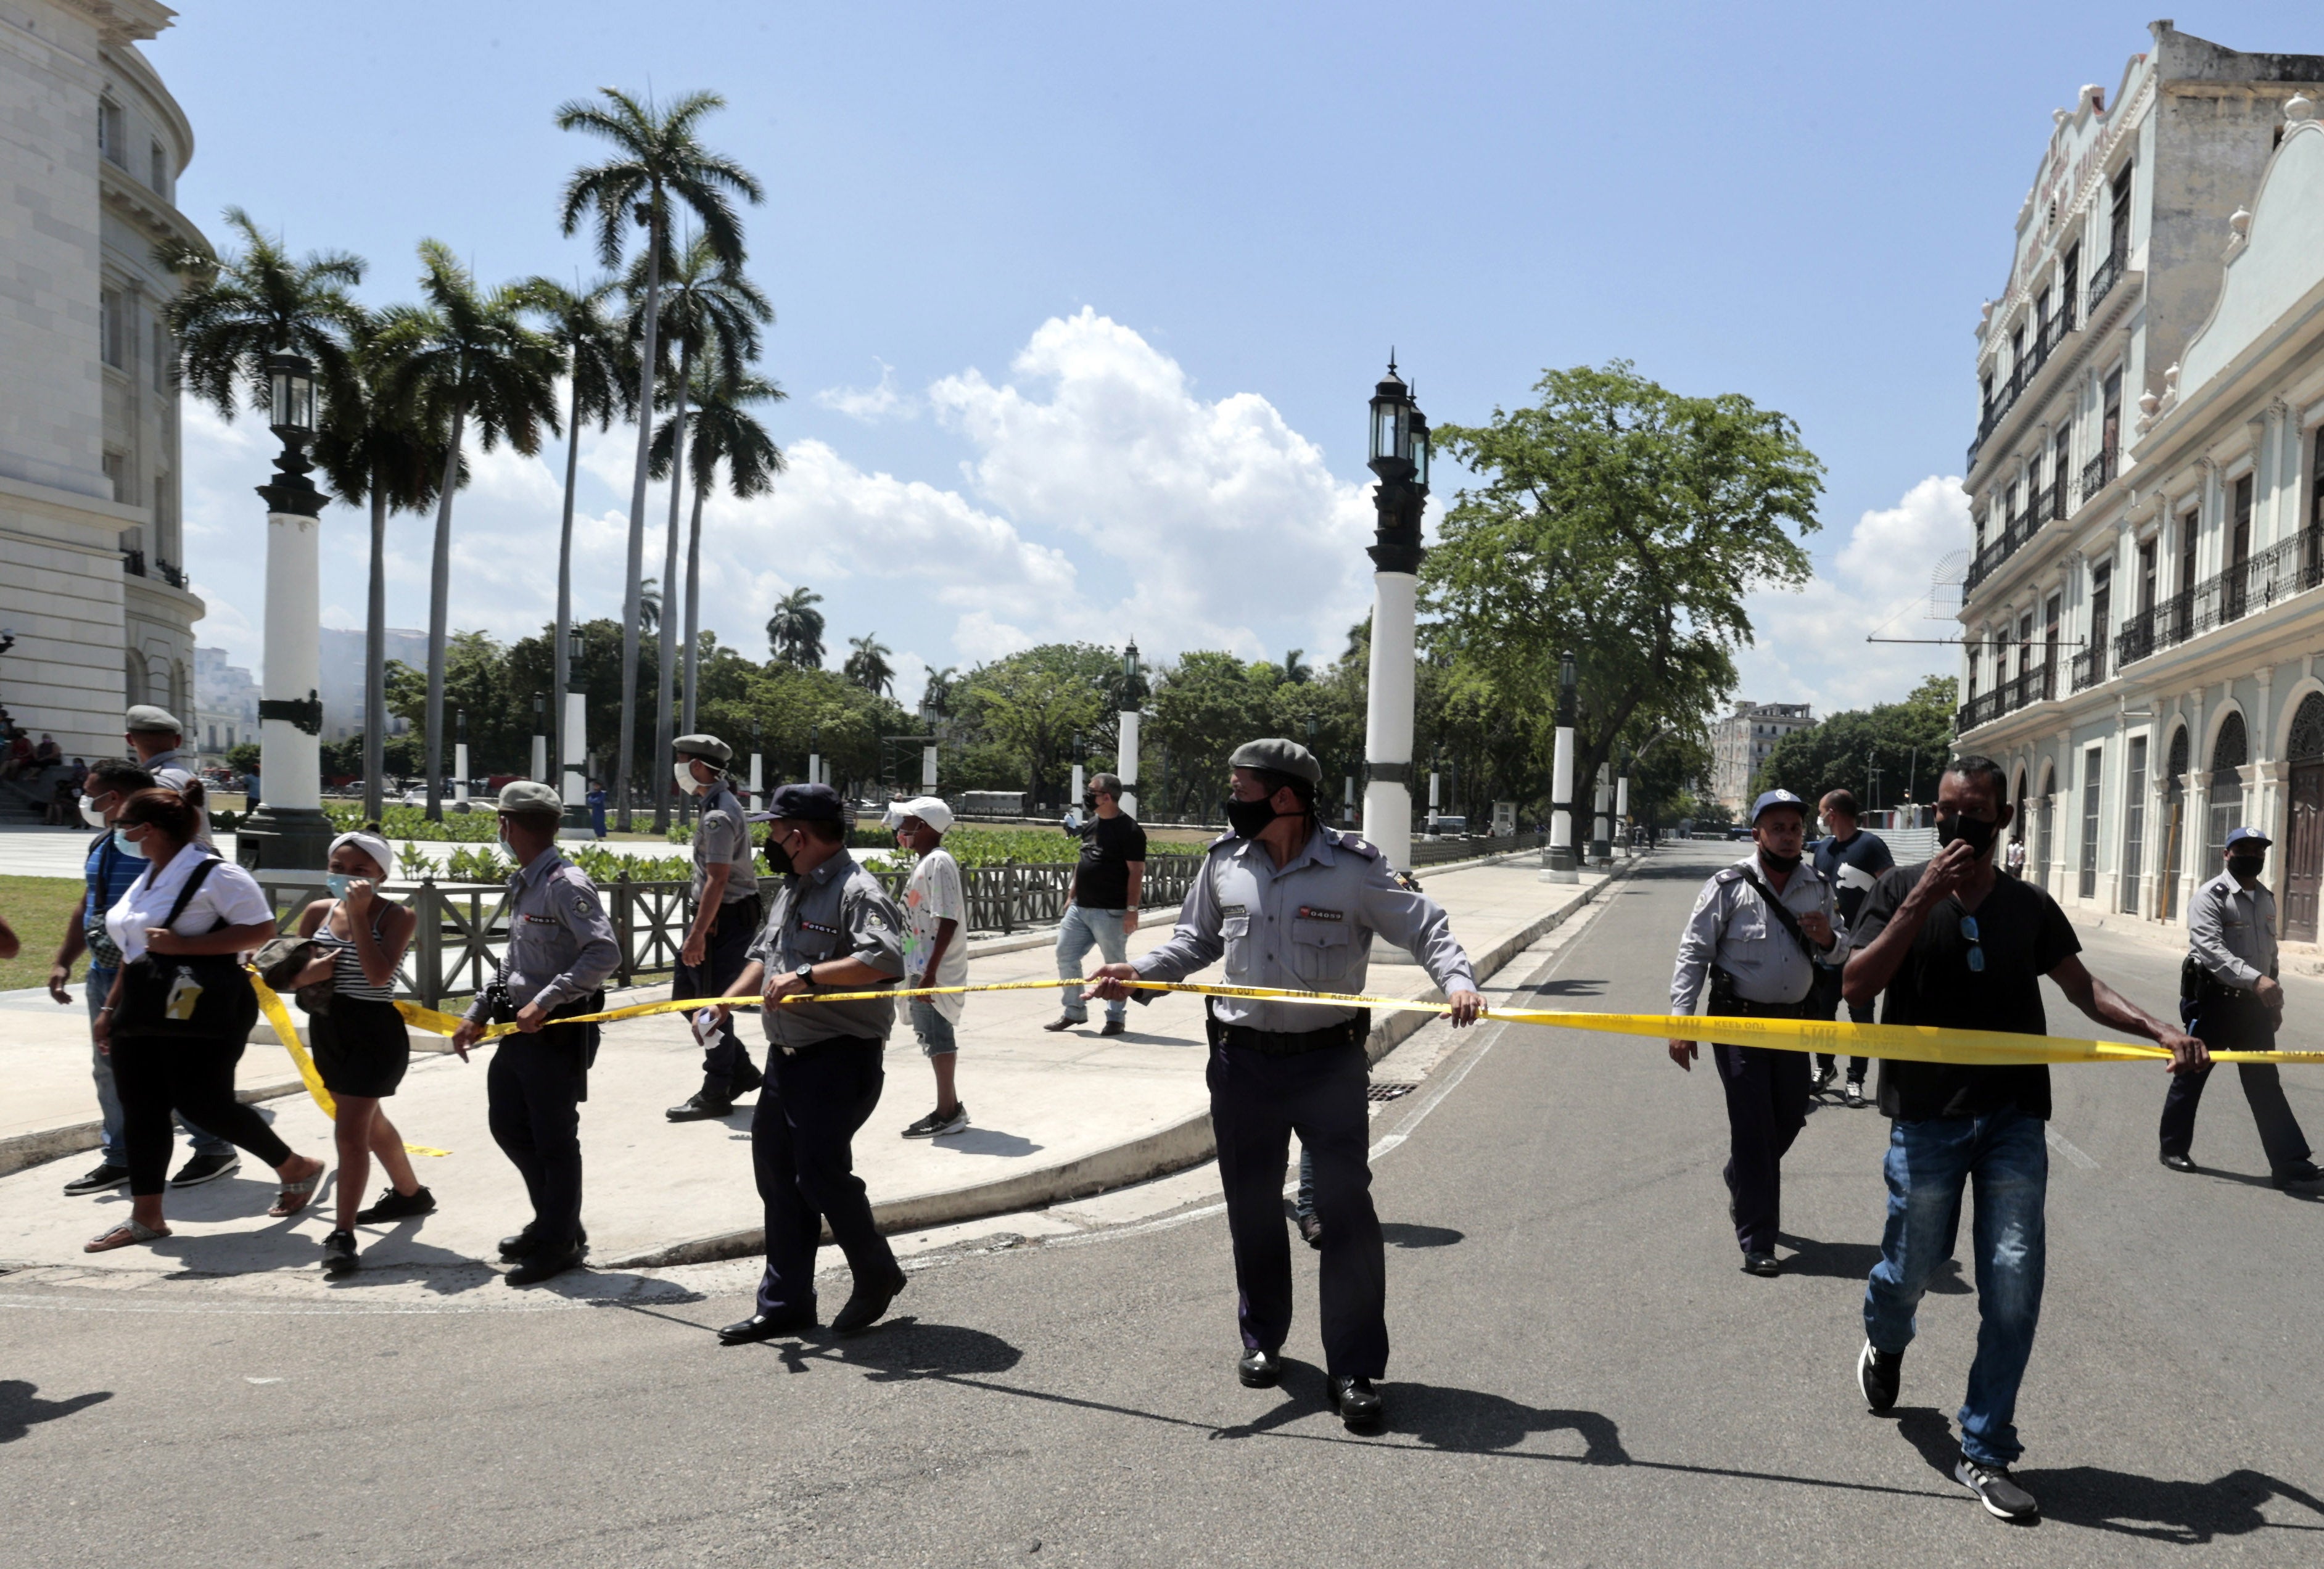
(722, 837)
(1730, 928)
(560, 942)
(836, 911)
(2232, 932)
(1306, 926)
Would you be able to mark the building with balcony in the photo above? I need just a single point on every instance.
(91, 557)
(1740, 743)
(2143, 640)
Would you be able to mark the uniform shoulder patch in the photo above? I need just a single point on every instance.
(1226, 837)
(1728, 874)
(1361, 846)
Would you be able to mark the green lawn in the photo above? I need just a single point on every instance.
(37, 908)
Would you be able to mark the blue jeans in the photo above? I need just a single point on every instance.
(1081, 927)
(1929, 1163)
(113, 1149)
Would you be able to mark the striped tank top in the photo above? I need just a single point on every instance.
(348, 977)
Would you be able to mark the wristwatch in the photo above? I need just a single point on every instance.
(806, 973)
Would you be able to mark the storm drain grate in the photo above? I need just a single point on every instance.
(1390, 1091)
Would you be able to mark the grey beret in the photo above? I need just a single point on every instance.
(525, 795)
(708, 748)
(1279, 756)
(147, 720)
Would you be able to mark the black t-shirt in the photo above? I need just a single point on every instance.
(1109, 844)
(1851, 869)
(2024, 935)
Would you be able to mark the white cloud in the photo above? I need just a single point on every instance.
(870, 404)
(1812, 645)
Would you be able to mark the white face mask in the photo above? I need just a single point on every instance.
(684, 773)
(89, 814)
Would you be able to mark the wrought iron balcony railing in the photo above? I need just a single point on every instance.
(2108, 274)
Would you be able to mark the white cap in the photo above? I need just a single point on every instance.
(930, 809)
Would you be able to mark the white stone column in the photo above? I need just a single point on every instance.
(1074, 799)
(1125, 761)
(572, 767)
(757, 782)
(1561, 820)
(290, 756)
(928, 771)
(1387, 718)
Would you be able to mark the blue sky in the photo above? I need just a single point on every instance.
(1078, 307)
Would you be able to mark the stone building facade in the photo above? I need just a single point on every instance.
(1741, 742)
(91, 555)
(2143, 634)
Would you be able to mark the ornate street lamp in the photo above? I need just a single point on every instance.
(289, 831)
(1399, 457)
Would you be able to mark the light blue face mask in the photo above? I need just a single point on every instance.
(337, 882)
(123, 842)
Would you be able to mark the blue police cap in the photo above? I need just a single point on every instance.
(1777, 798)
(2237, 835)
(812, 803)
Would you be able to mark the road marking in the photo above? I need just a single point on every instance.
(2065, 1147)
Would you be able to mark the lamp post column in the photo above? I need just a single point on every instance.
(1133, 699)
(290, 832)
(573, 742)
(1399, 457)
(1622, 809)
(1557, 856)
(1601, 833)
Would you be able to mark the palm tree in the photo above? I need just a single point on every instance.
(1297, 671)
(658, 162)
(232, 312)
(723, 429)
(708, 308)
(649, 605)
(372, 450)
(596, 359)
(795, 632)
(466, 355)
(868, 666)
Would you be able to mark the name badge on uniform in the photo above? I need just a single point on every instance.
(817, 925)
(543, 920)
(1309, 912)
(1234, 910)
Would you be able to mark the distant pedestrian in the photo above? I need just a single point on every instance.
(361, 1045)
(936, 952)
(1760, 931)
(1852, 861)
(2012, 859)
(157, 741)
(726, 914)
(2230, 998)
(1953, 944)
(1102, 903)
(597, 798)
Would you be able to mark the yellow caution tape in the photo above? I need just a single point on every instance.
(270, 1004)
(1899, 1042)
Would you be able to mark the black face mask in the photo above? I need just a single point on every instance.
(1784, 863)
(1976, 830)
(2247, 867)
(779, 857)
(1248, 819)
(1089, 803)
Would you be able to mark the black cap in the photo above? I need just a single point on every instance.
(808, 803)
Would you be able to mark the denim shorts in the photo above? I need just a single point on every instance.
(933, 1030)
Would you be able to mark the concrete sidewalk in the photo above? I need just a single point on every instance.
(1054, 1117)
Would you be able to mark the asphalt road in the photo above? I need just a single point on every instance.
(1582, 1374)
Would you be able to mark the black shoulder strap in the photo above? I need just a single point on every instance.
(191, 887)
(1791, 922)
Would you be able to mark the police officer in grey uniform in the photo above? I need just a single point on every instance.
(560, 950)
(1761, 930)
(726, 915)
(157, 739)
(1291, 903)
(830, 926)
(2232, 1001)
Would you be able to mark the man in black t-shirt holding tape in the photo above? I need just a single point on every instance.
(1952, 944)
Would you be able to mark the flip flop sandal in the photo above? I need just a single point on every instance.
(123, 1235)
(296, 1196)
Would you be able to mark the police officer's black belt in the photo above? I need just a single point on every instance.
(1744, 1008)
(1284, 1043)
(830, 1043)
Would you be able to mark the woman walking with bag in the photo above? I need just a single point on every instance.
(180, 1009)
(362, 1048)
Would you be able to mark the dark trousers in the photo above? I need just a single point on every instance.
(800, 1132)
(723, 958)
(532, 1092)
(156, 1074)
(2278, 1130)
(1257, 1102)
(1827, 1002)
(1766, 1107)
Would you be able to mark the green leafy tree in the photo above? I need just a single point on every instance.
(1030, 705)
(659, 166)
(465, 358)
(1627, 523)
(1908, 741)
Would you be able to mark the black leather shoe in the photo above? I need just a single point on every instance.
(1114, 1027)
(546, 1264)
(866, 1303)
(1311, 1230)
(523, 1244)
(701, 1106)
(1259, 1370)
(2180, 1163)
(1357, 1402)
(762, 1326)
(1762, 1264)
(746, 1079)
(1064, 1022)
(2299, 1174)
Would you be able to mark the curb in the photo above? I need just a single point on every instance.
(20, 1151)
(1183, 1144)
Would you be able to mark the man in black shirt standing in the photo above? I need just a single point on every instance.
(1101, 906)
(1952, 944)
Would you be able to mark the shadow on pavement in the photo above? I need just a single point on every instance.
(1854, 1261)
(1570, 988)
(902, 1349)
(973, 1140)
(1404, 1234)
(20, 1407)
(2187, 1513)
(1443, 1417)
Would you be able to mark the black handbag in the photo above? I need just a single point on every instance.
(187, 996)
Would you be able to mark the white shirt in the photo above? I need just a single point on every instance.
(228, 896)
(932, 895)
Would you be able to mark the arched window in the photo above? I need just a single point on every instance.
(2230, 753)
(2307, 743)
(2044, 816)
(2301, 867)
(2174, 814)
